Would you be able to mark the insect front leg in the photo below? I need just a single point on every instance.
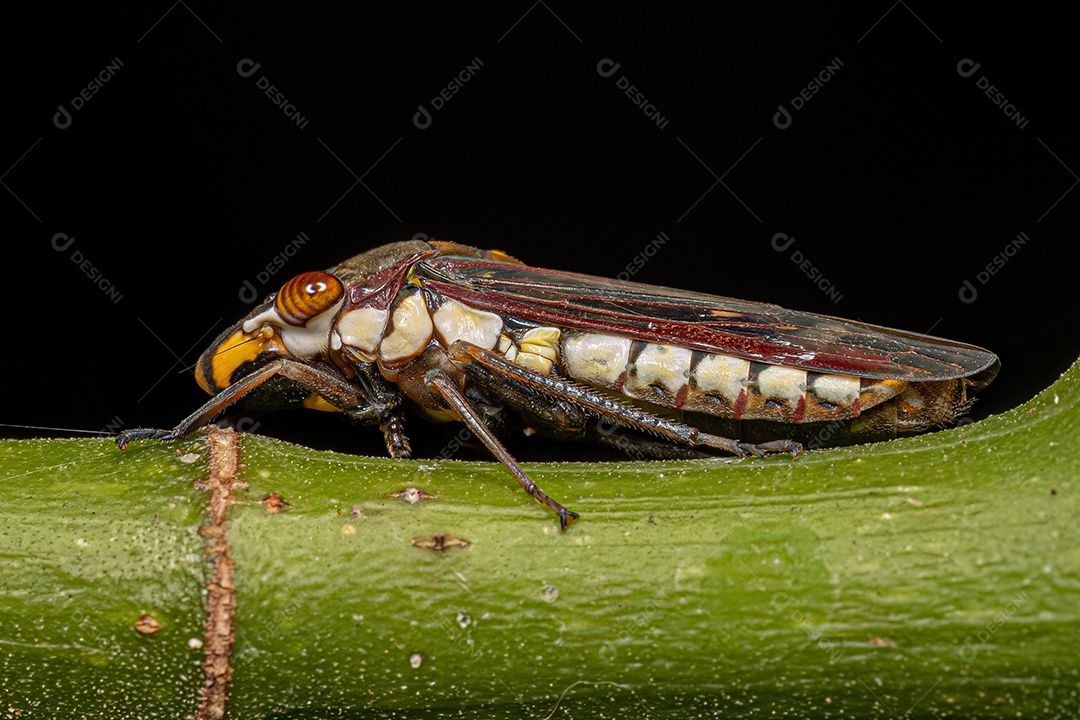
(520, 387)
(384, 394)
(330, 386)
(393, 430)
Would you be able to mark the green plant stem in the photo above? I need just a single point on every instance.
(938, 575)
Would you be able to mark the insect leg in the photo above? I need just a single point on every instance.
(384, 394)
(439, 384)
(500, 376)
(393, 430)
(331, 387)
(639, 447)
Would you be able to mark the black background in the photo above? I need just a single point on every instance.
(180, 179)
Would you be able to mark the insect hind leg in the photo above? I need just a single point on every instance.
(440, 385)
(511, 382)
(637, 446)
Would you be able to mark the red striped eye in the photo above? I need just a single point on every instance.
(307, 296)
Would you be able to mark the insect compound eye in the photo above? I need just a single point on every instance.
(307, 296)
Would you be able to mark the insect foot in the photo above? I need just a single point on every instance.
(126, 436)
(762, 449)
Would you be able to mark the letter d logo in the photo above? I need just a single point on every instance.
(422, 118)
(62, 118)
(782, 118)
(967, 67)
(247, 67)
(968, 293)
(61, 242)
(782, 241)
(607, 67)
(248, 293)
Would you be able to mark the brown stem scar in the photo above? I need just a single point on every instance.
(223, 447)
(439, 542)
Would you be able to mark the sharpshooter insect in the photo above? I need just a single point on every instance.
(454, 333)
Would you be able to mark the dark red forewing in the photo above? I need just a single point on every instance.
(756, 331)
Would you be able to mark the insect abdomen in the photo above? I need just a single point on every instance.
(719, 385)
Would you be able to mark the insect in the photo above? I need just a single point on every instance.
(454, 333)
